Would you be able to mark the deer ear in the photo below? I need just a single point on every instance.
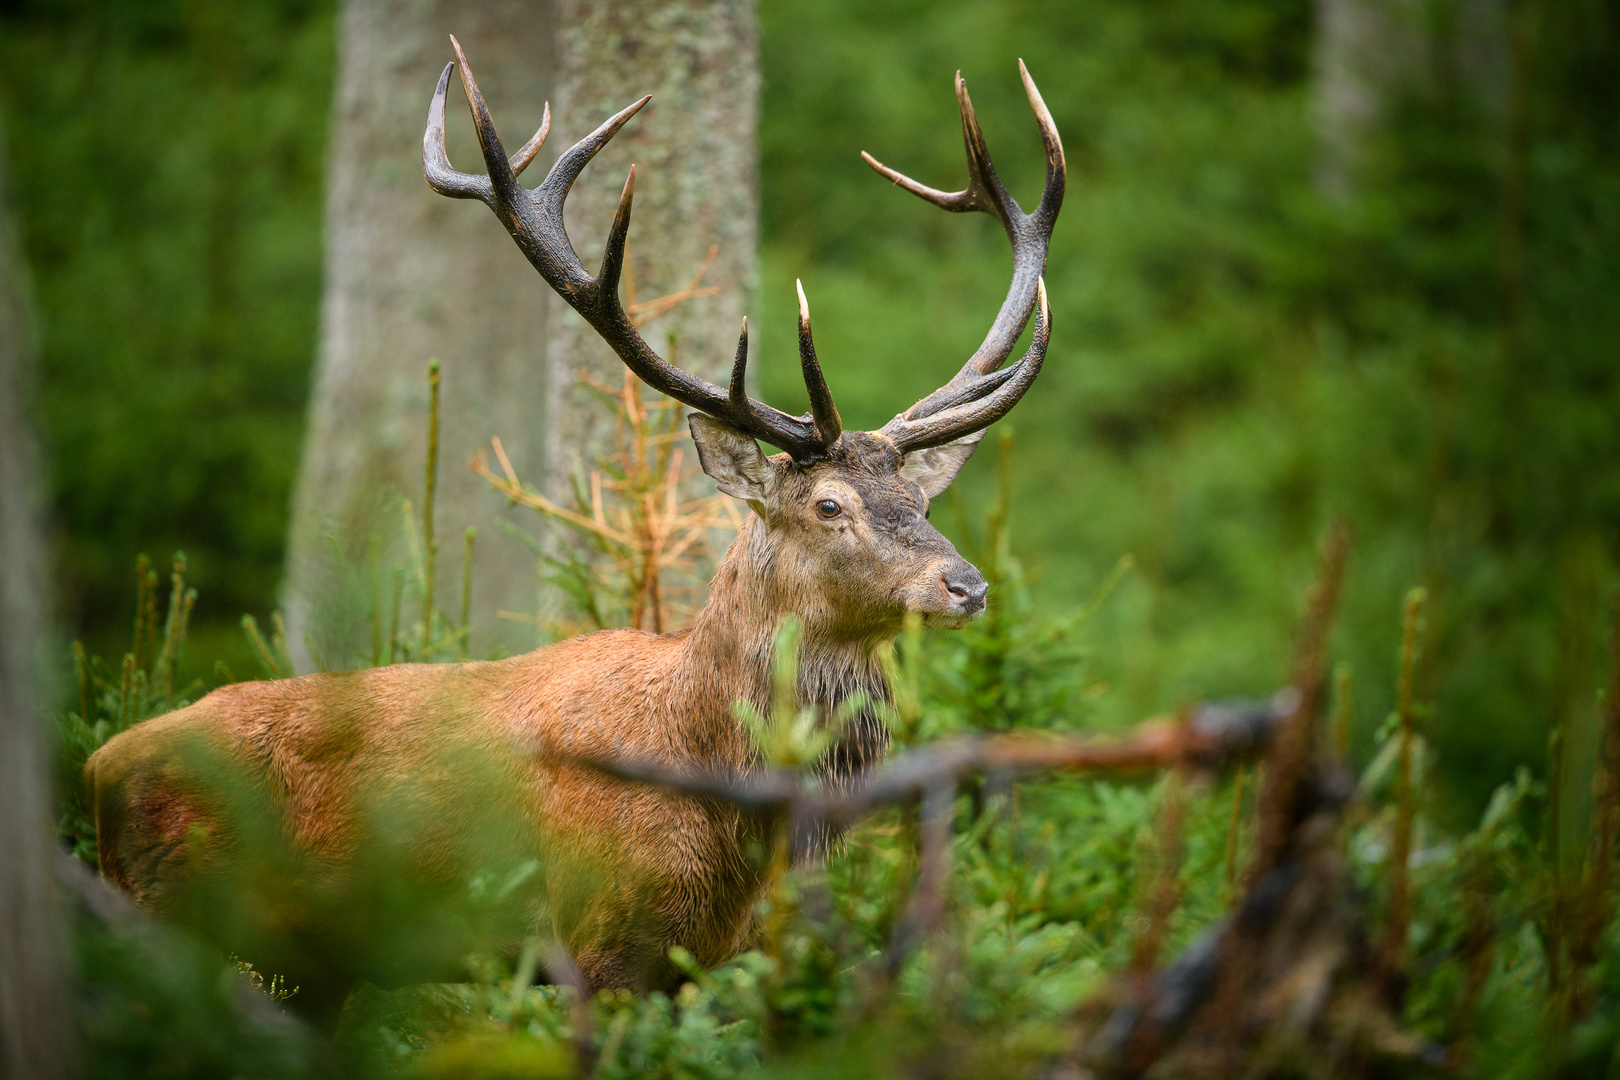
(933, 469)
(733, 459)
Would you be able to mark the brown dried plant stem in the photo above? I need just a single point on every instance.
(1287, 762)
(1207, 737)
(1291, 750)
(927, 904)
(645, 312)
(1400, 843)
(1163, 891)
(1342, 690)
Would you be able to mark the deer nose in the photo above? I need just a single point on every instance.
(965, 586)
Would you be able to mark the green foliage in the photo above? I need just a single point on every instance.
(1053, 890)
(153, 1001)
(1019, 663)
(165, 158)
(109, 702)
(793, 735)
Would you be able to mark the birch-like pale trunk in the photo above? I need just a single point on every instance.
(695, 151)
(412, 276)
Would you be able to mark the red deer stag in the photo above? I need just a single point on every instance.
(370, 797)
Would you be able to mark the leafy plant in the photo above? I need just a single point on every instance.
(109, 702)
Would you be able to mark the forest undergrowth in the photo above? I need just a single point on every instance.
(1207, 894)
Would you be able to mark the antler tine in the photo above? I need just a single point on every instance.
(739, 370)
(1029, 234)
(502, 177)
(990, 195)
(607, 279)
(436, 167)
(535, 221)
(828, 424)
(981, 403)
(984, 190)
(955, 201)
(530, 149)
(1057, 168)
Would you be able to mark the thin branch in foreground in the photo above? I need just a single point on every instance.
(1216, 733)
(1212, 735)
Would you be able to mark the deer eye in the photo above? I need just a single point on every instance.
(826, 509)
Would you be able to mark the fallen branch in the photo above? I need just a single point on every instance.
(1209, 736)
(1214, 734)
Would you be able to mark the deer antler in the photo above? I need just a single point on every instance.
(980, 394)
(535, 220)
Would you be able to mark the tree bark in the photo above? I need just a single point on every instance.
(412, 276)
(696, 157)
(33, 1000)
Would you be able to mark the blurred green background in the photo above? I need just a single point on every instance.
(1237, 358)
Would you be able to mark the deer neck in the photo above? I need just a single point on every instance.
(731, 642)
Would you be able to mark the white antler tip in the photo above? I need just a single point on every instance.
(804, 305)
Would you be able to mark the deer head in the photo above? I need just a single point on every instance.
(840, 517)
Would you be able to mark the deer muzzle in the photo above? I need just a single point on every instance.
(962, 591)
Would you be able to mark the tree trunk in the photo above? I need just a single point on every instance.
(410, 277)
(33, 1002)
(1370, 52)
(696, 159)
(1364, 49)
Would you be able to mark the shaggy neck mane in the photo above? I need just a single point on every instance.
(729, 647)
